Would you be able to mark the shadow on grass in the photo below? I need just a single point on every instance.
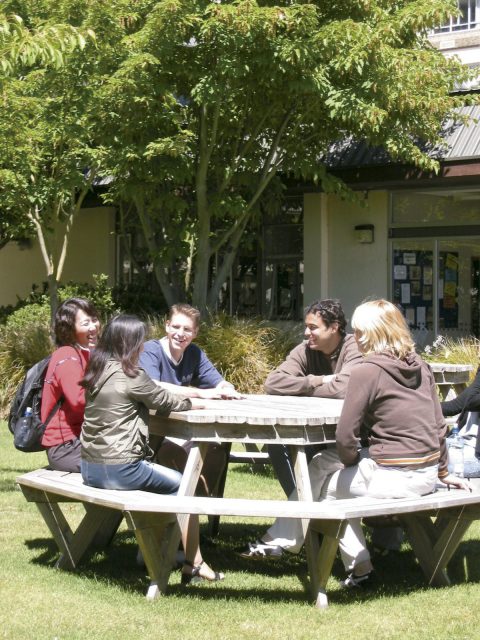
(257, 469)
(396, 574)
(8, 475)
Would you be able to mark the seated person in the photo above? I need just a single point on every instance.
(319, 367)
(181, 367)
(391, 401)
(76, 329)
(467, 405)
(114, 439)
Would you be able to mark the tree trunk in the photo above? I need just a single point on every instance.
(53, 295)
(202, 261)
(158, 267)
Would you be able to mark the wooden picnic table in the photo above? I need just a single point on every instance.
(435, 523)
(451, 379)
(260, 419)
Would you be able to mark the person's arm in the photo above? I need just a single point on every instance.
(68, 373)
(335, 386)
(358, 399)
(143, 389)
(150, 359)
(206, 375)
(290, 378)
(468, 400)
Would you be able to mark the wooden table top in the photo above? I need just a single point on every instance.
(257, 418)
(265, 409)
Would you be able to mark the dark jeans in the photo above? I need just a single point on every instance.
(65, 456)
(141, 475)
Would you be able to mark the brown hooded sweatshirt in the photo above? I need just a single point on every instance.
(397, 403)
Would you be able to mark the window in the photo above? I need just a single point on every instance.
(267, 277)
(435, 269)
(467, 19)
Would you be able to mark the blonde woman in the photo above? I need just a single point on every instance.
(392, 407)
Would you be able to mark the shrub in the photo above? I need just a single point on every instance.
(458, 351)
(243, 350)
(100, 293)
(24, 340)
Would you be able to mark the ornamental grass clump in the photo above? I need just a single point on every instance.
(243, 350)
(455, 351)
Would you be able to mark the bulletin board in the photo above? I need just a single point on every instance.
(413, 287)
(448, 290)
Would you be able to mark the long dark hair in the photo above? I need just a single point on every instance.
(122, 340)
(64, 324)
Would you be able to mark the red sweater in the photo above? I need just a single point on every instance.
(65, 370)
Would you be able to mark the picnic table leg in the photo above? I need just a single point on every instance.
(161, 543)
(332, 531)
(214, 521)
(304, 492)
(58, 525)
(154, 533)
(89, 532)
(421, 533)
(74, 545)
(97, 527)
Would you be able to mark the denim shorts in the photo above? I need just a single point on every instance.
(140, 475)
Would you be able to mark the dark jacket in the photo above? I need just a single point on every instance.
(115, 427)
(301, 374)
(397, 403)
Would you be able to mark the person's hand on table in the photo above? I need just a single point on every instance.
(197, 403)
(220, 393)
(454, 481)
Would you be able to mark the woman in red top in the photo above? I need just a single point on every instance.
(76, 331)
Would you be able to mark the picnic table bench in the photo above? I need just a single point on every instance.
(435, 523)
(451, 379)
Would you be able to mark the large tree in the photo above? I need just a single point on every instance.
(49, 156)
(22, 48)
(214, 99)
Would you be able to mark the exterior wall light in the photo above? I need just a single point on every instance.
(364, 233)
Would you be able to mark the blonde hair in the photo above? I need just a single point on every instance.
(380, 326)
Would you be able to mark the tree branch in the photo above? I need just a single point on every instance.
(34, 217)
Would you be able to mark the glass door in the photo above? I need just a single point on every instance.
(436, 284)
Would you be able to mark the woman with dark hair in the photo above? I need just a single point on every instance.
(114, 437)
(76, 328)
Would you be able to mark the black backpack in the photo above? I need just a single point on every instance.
(28, 430)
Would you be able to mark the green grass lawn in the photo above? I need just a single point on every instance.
(105, 598)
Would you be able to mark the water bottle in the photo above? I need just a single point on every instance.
(455, 453)
(24, 426)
